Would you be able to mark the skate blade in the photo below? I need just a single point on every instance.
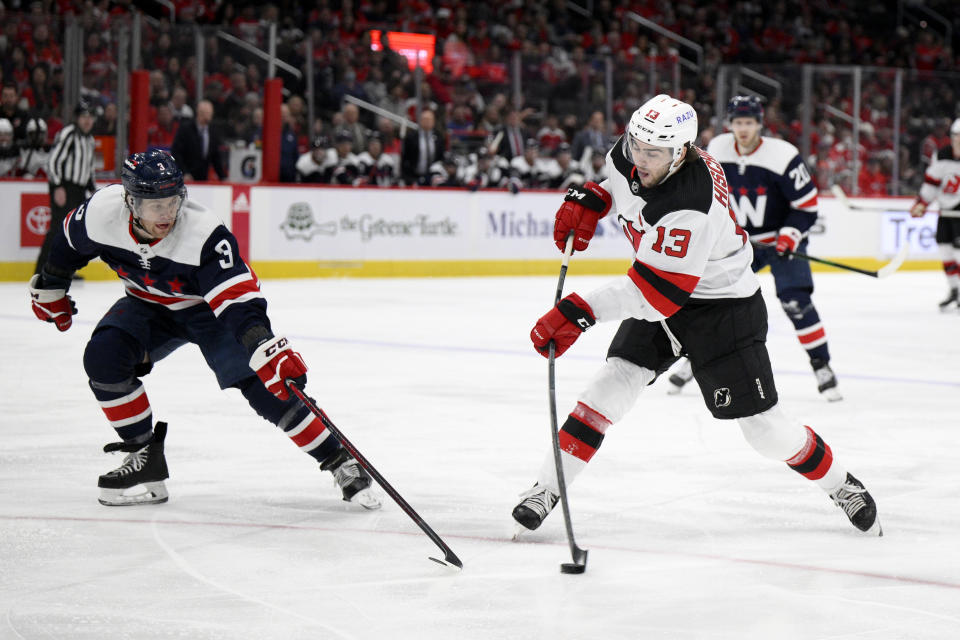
(152, 493)
(518, 531)
(832, 395)
(366, 499)
(876, 530)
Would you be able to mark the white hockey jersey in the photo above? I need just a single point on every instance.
(198, 263)
(688, 246)
(941, 182)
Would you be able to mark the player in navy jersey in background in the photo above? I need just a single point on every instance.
(775, 201)
(689, 291)
(185, 282)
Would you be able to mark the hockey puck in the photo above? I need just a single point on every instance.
(569, 567)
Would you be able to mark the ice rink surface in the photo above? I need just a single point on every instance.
(691, 533)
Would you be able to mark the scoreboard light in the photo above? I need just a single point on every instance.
(417, 48)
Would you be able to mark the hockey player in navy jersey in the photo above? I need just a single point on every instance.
(185, 282)
(775, 201)
(941, 184)
(690, 291)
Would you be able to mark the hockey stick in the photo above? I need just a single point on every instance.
(579, 564)
(882, 272)
(841, 196)
(450, 557)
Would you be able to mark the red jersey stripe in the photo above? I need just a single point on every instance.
(133, 408)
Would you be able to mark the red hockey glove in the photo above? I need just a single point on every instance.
(787, 241)
(580, 212)
(274, 361)
(563, 324)
(918, 209)
(51, 305)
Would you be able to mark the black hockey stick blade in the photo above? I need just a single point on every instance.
(882, 272)
(449, 557)
(579, 564)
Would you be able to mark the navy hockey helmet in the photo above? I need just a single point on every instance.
(151, 175)
(745, 107)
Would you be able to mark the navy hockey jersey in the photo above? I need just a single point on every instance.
(770, 187)
(198, 263)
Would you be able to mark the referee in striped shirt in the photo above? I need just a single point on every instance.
(69, 172)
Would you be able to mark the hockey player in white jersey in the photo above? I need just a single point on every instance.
(775, 202)
(690, 291)
(941, 183)
(185, 282)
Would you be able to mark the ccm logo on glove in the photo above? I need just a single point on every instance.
(275, 362)
(563, 325)
(580, 212)
(51, 305)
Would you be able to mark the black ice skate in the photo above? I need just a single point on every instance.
(952, 301)
(144, 466)
(826, 380)
(353, 480)
(859, 506)
(680, 377)
(536, 505)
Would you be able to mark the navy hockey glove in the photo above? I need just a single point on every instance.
(51, 302)
(563, 324)
(580, 212)
(787, 241)
(275, 362)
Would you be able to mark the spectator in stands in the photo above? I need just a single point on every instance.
(344, 169)
(196, 145)
(527, 170)
(592, 137)
(9, 153)
(38, 94)
(289, 147)
(10, 109)
(446, 172)
(352, 124)
(313, 165)
(392, 144)
(873, 180)
(421, 148)
(562, 171)
(486, 170)
(35, 151)
(551, 136)
(375, 167)
(178, 103)
(160, 134)
(107, 123)
(514, 136)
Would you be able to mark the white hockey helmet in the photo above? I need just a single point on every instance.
(663, 121)
(6, 133)
(955, 127)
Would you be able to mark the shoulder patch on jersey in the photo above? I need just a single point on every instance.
(946, 153)
(690, 188)
(106, 217)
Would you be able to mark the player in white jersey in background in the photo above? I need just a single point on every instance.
(185, 281)
(775, 202)
(690, 291)
(941, 183)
